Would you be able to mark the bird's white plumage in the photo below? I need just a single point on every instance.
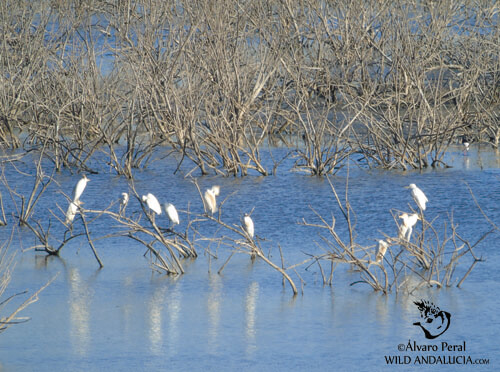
(216, 190)
(466, 148)
(79, 187)
(402, 231)
(124, 199)
(381, 249)
(408, 222)
(172, 213)
(418, 196)
(248, 225)
(72, 211)
(210, 198)
(412, 219)
(152, 203)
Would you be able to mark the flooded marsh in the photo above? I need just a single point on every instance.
(128, 316)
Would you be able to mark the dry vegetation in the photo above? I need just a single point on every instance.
(428, 257)
(218, 82)
(425, 258)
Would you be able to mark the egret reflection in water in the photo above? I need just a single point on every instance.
(213, 310)
(173, 304)
(247, 320)
(163, 319)
(155, 317)
(250, 316)
(80, 298)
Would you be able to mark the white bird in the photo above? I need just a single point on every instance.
(381, 249)
(402, 231)
(466, 148)
(72, 211)
(248, 225)
(210, 199)
(172, 213)
(152, 203)
(216, 190)
(418, 196)
(408, 221)
(123, 202)
(79, 187)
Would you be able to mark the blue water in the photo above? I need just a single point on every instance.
(127, 317)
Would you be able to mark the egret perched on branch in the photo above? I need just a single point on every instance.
(172, 213)
(123, 202)
(381, 249)
(408, 221)
(248, 225)
(79, 187)
(403, 229)
(210, 200)
(72, 211)
(152, 203)
(418, 196)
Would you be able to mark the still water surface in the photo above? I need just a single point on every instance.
(126, 317)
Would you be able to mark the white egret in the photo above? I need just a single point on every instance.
(248, 225)
(72, 211)
(418, 196)
(409, 221)
(79, 187)
(172, 213)
(123, 202)
(152, 203)
(381, 249)
(216, 190)
(466, 148)
(210, 199)
(402, 231)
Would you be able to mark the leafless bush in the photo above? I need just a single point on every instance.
(213, 81)
(166, 245)
(7, 265)
(235, 237)
(429, 259)
(27, 205)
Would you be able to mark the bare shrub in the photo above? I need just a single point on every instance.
(429, 259)
(7, 266)
(212, 82)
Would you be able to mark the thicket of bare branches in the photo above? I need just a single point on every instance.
(218, 82)
(428, 257)
(9, 313)
(424, 257)
(167, 247)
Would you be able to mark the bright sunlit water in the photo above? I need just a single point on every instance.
(127, 317)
